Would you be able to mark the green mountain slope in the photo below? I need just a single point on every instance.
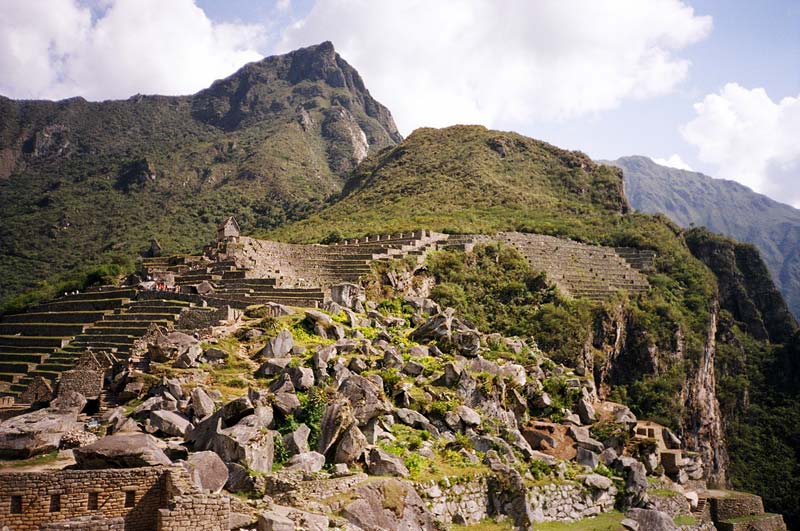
(725, 207)
(86, 181)
(470, 179)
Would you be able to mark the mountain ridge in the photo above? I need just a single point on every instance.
(723, 206)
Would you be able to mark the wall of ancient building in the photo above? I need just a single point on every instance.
(30, 499)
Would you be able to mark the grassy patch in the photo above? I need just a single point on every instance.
(605, 522)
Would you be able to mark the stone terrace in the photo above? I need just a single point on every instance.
(581, 270)
(245, 271)
(50, 338)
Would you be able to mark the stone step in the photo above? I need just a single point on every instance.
(106, 338)
(247, 282)
(139, 317)
(15, 367)
(124, 293)
(136, 331)
(55, 317)
(34, 341)
(81, 305)
(9, 377)
(26, 349)
(124, 329)
(120, 347)
(18, 357)
(41, 329)
(49, 374)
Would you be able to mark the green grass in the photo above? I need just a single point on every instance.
(486, 525)
(685, 520)
(605, 522)
(38, 460)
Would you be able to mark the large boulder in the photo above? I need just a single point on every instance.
(279, 346)
(171, 346)
(225, 417)
(296, 442)
(41, 431)
(306, 462)
(207, 470)
(275, 519)
(349, 295)
(652, 520)
(202, 405)
(388, 504)
(450, 333)
(382, 463)
(336, 420)
(247, 443)
(170, 423)
(351, 445)
(636, 484)
(365, 397)
(123, 450)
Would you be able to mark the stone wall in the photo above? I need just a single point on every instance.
(198, 512)
(30, 499)
(196, 319)
(569, 501)
(86, 523)
(468, 500)
(87, 382)
(456, 500)
(135, 499)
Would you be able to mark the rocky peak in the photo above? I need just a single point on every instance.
(315, 77)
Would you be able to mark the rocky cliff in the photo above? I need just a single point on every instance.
(84, 181)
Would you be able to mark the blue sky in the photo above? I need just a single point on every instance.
(709, 84)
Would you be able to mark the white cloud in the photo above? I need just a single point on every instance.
(751, 139)
(505, 63)
(674, 161)
(54, 49)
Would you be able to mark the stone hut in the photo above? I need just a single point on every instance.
(228, 230)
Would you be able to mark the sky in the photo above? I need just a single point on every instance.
(708, 85)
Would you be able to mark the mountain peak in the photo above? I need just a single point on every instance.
(315, 77)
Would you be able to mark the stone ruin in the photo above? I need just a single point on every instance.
(136, 499)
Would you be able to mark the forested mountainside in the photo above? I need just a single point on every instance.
(85, 183)
(722, 206)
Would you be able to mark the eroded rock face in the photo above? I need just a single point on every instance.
(124, 450)
(388, 504)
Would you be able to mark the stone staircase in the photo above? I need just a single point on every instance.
(736, 511)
